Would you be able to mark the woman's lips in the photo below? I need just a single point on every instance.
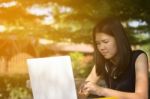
(104, 53)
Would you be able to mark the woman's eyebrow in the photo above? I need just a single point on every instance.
(101, 40)
(104, 40)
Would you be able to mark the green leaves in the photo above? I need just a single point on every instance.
(59, 20)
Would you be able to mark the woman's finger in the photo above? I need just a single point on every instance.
(82, 87)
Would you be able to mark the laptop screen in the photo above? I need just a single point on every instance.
(52, 78)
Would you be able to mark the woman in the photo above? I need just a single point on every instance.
(124, 71)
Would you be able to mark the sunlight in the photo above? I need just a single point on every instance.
(65, 9)
(39, 11)
(48, 12)
(137, 23)
(2, 28)
(42, 11)
(48, 20)
(8, 4)
(45, 41)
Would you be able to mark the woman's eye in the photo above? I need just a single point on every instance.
(105, 41)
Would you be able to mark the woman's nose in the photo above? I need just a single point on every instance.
(102, 47)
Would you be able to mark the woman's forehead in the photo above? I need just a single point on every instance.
(102, 35)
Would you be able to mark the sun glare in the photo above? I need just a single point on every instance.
(48, 20)
(137, 23)
(2, 28)
(48, 12)
(65, 9)
(39, 11)
(8, 4)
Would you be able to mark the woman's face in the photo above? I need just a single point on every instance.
(106, 44)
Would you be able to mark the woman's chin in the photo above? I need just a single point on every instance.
(107, 57)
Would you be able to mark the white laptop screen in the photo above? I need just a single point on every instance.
(52, 78)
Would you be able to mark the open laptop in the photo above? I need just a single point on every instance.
(52, 78)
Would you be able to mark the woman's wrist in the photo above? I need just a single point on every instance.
(101, 91)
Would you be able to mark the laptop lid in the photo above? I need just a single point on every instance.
(52, 78)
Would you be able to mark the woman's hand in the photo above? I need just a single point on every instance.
(92, 88)
(82, 90)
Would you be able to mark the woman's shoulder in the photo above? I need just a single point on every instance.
(136, 53)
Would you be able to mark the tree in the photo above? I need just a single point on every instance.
(70, 20)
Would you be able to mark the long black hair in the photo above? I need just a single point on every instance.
(113, 27)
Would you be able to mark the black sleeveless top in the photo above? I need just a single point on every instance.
(126, 82)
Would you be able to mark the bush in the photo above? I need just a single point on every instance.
(14, 87)
(81, 68)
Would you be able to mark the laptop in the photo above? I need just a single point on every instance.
(52, 78)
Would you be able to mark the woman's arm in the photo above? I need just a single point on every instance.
(141, 86)
(93, 76)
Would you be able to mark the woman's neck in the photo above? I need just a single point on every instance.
(115, 60)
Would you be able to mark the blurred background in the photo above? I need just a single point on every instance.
(42, 28)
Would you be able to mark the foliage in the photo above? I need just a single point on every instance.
(80, 67)
(19, 93)
(14, 87)
(146, 48)
(71, 19)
